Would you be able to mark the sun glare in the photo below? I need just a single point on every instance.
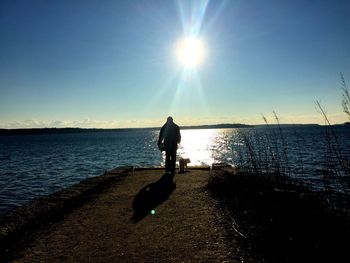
(190, 52)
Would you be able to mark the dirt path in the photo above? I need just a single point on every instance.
(184, 228)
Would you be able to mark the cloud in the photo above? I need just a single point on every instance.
(33, 123)
(85, 123)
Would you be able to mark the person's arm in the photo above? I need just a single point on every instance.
(178, 135)
(160, 135)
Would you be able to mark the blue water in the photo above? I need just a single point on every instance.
(35, 165)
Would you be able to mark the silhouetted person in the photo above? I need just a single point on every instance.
(169, 136)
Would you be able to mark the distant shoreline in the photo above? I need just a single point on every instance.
(25, 131)
(37, 131)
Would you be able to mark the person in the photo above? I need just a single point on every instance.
(169, 137)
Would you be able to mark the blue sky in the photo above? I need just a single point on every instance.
(113, 64)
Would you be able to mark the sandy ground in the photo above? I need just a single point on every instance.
(186, 226)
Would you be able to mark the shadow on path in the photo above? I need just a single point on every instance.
(152, 195)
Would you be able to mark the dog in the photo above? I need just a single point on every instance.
(183, 164)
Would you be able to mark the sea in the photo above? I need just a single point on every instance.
(32, 166)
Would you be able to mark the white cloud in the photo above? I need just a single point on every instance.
(85, 123)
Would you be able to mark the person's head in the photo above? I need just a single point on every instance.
(169, 119)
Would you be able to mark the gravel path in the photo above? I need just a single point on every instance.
(184, 228)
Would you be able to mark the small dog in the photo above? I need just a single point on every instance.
(183, 164)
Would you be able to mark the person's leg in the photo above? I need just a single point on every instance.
(167, 161)
(173, 161)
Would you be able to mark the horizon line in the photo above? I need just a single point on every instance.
(218, 125)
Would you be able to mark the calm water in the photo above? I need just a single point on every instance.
(35, 165)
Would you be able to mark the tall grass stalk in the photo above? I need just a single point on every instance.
(274, 148)
(251, 154)
(346, 96)
(300, 154)
(286, 167)
(338, 162)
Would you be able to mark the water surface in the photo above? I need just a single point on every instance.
(36, 165)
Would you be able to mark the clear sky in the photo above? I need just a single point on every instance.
(113, 63)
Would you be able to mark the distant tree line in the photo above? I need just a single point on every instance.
(35, 131)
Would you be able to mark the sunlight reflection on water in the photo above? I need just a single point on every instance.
(206, 146)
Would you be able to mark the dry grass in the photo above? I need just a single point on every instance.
(279, 221)
(278, 218)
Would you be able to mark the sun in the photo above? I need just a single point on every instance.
(190, 52)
